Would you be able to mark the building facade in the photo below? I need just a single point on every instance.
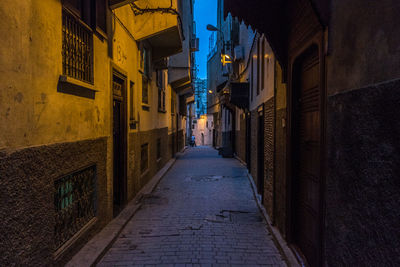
(315, 137)
(91, 112)
(200, 93)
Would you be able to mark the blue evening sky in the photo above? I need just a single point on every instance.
(205, 12)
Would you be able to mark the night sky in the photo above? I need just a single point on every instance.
(205, 12)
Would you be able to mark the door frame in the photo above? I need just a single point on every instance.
(120, 73)
(319, 41)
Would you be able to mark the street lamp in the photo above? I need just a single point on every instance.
(212, 28)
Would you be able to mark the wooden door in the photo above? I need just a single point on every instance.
(306, 154)
(119, 144)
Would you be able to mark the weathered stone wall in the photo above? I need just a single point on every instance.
(371, 36)
(27, 198)
(363, 165)
(362, 183)
(269, 156)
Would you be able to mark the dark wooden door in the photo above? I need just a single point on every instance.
(260, 153)
(306, 156)
(119, 145)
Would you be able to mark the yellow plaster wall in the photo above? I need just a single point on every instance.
(32, 112)
(151, 23)
(126, 55)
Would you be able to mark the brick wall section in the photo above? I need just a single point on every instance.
(254, 148)
(241, 139)
(27, 198)
(280, 172)
(362, 183)
(269, 156)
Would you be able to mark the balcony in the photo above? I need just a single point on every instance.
(159, 23)
(179, 70)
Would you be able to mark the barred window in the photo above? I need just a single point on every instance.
(77, 48)
(74, 203)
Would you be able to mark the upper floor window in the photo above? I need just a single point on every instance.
(146, 74)
(145, 90)
(79, 17)
(161, 90)
(77, 48)
(145, 61)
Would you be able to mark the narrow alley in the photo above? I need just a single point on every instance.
(202, 212)
(199, 133)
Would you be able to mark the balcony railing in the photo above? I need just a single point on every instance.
(74, 203)
(77, 48)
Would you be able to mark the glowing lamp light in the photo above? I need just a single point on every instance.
(226, 59)
(210, 92)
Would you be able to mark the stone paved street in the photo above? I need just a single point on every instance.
(202, 213)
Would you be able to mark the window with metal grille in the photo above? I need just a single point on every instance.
(77, 48)
(74, 203)
(144, 158)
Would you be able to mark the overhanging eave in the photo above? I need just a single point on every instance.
(113, 4)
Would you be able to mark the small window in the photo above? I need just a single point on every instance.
(158, 148)
(144, 158)
(145, 61)
(101, 10)
(145, 90)
(161, 90)
(206, 124)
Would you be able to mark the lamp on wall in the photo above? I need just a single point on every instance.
(212, 28)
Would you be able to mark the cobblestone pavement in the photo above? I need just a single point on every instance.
(202, 213)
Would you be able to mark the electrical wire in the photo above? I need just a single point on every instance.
(139, 11)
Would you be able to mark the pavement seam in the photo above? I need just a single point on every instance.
(280, 243)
